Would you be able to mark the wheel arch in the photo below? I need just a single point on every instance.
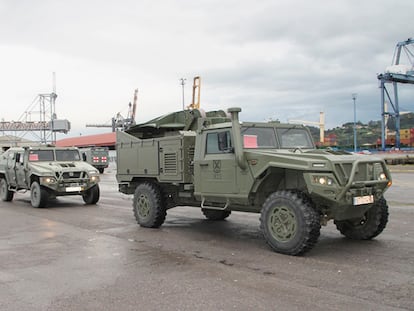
(275, 179)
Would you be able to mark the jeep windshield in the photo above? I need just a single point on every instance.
(41, 155)
(258, 137)
(67, 155)
(49, 155)
(265, 137)
(294, 138)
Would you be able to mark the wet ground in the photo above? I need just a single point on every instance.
(76, 257)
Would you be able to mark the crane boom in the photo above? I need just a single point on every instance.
(321, 125)
(196, 93)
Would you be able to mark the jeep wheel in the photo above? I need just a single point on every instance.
(5, 193)
(289, 223)
(91, 196)
(212, 214)
(368, 227)
(148, 205)
(38, 195)
(101, 170)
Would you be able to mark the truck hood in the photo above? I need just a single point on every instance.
(308, 160)
(49, 168)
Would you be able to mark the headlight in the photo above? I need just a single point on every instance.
(382, 176)
(323, 180)
(94, 178)
(47, 180)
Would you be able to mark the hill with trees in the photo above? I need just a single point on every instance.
(367, 134)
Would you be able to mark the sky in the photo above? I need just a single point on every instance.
(276, 59)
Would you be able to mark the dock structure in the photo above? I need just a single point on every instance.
(396, 73)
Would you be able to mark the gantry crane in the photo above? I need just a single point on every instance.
(39, 119)
(396, 73)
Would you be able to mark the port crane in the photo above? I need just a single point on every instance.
(195, 103)
(39, 119)
(321, 125)
(120, 122)
(394, 74)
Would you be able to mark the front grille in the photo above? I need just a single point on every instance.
(365, 171)
(343, 171)
(69, 175)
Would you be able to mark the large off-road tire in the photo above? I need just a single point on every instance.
(38, 195)
(212, 214)
(91, 196)
(289, 223)
(368, 227)
(149, 207)
(5, 193)
(101, 170)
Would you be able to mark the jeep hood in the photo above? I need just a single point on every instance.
(315, 160)
(49, 168)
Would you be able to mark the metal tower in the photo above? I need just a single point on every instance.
(44, 124)
(396, 73)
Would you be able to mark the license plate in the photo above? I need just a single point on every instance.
(73, 189)
(366, 199)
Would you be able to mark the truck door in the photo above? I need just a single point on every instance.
(20, 170)
(10, 171)
(217, 167)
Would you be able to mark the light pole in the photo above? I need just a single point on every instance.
(182, 85)
(354, 97)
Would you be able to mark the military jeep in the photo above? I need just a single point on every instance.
(47, 172)
(210, 160)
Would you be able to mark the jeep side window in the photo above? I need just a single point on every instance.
(19, 158)
(218, 143)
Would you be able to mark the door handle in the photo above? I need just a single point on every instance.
(203, 163)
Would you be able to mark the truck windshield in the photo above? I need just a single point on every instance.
(41, 155)
(67, 155)
(294, 138)
(258, 137)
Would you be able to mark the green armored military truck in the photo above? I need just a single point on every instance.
(210, 160)
(47, 172)
(98, 157)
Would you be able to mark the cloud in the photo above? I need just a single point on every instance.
(284, 59)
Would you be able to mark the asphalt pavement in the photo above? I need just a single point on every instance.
(72, 256)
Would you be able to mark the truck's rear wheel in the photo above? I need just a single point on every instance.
(368, 227)
(5, 193)
(101, 170)
(91, 196)
(289, 223)
(38, 195)
(148, 205)
(212, 214)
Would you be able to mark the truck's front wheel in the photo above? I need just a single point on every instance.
(91, 196)
(369, 226)
(149, 207)
(289, 223)
(38, 195)
(5, 194)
